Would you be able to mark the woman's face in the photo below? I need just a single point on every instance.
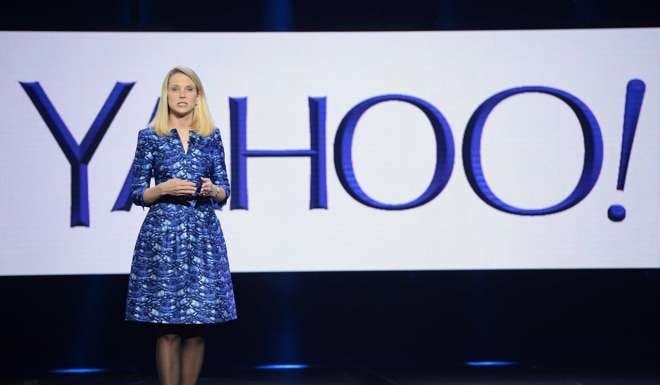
(181, 94)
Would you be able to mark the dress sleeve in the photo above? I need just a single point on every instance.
(142, 168)
(218, 167)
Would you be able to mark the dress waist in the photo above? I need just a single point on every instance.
(183, 200)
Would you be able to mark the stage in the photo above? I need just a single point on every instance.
(367, 376)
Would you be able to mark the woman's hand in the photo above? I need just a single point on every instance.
(177, 187)
(211, 190)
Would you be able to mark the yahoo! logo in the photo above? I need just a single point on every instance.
(79, 155)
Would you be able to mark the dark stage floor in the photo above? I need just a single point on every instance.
(362, 376)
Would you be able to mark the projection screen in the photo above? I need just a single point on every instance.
(388, 150)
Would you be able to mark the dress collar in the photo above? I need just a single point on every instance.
(191, 132)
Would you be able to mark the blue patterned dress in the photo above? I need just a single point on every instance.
(180, 272)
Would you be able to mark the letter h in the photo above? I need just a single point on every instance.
(240, 153)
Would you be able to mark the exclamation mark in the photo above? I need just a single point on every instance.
(634, 97)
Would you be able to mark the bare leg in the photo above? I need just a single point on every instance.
(168, 348)
(192, 356)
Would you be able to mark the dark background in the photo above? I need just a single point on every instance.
(598, 319)
(336, 15)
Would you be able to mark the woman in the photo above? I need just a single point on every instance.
(180, 278)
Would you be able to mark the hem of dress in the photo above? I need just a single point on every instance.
(220, 321)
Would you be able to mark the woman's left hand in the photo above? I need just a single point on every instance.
(208, 189)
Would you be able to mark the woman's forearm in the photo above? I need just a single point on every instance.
(152, 194)
(219, 194)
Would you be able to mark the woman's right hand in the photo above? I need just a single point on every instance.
(178, 187)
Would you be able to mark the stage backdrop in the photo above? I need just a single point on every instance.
(346, 151)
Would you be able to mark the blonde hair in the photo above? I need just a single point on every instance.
(202, 122)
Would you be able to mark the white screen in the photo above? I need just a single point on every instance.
(531, 149)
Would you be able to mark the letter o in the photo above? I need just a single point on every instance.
(444, 152)
(593, 151)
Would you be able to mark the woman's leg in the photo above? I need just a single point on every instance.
(192, 354)
(168, 348)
